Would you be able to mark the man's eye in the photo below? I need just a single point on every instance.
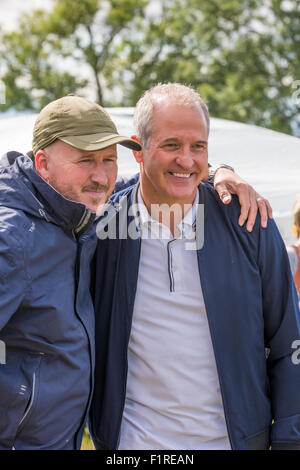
(200, 147)
(171, 146)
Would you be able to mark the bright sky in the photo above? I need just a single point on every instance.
(10, 10)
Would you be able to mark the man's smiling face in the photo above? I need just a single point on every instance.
(175, 160)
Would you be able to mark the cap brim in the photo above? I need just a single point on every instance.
(99, 141)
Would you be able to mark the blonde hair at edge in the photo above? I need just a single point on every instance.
(178, 94)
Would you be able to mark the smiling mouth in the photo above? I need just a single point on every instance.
(180, 175)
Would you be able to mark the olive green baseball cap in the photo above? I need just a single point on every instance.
(78, 122)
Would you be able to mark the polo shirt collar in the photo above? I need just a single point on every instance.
(186, 227)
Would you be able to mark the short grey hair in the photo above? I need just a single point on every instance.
(177, 93)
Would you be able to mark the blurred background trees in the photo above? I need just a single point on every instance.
(242, 55)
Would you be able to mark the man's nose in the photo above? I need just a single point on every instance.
(99, 174)
(185, 158)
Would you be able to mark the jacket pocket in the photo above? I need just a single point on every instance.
(18, 393)
(29, 407)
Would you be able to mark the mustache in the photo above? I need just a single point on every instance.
(95, 187)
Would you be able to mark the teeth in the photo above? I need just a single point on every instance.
(182, 175)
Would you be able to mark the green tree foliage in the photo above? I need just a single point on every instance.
(242, 55)
(41, 60)
(29, 56)
(89, 32)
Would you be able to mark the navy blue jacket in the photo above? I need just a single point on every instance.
(251, 305)
(46, 311)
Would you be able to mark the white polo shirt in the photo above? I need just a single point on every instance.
(173, 398)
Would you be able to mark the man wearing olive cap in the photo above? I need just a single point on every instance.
(46, 245)
(74, 144)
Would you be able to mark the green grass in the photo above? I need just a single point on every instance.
(87, 443)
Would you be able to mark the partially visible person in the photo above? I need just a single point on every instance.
(46, 243)
(294, 250)
(192, 302)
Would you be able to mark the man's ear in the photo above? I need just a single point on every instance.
(41, 164)
(138, 154)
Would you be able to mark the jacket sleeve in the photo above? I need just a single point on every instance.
(282, 338)
(13, 278)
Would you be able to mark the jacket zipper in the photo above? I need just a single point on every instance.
(83, 221)
(83, 326)
(125, 380)
(221, 386)
(134, 198)
(211, 329)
